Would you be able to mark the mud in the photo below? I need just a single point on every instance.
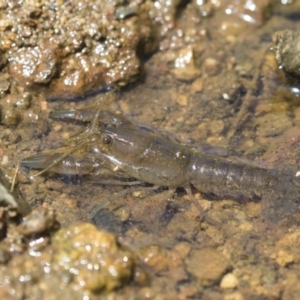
(210, 80)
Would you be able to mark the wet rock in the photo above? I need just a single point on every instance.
(124, 12)
(39, 221)
(12, 107)
(88, 46)
(10, 116)
(159, 259)
(184, 66)
(287, 51)
(22, 102)
(107, 220)
(81, 261)
(164, 11)
(34, 65)
(256, 13)
(207, 265)
(284, 258)
(234, 17)
(28, 277)
(94, 257)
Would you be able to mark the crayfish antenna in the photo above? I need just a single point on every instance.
(14, 179)
(195, 202)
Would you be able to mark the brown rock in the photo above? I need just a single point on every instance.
(33, 65)
(101, 263)
(38, 221)
(159, 258)
(207, 265)
(185, 66)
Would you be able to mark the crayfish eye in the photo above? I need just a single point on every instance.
(107, 139)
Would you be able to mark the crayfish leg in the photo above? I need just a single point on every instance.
(195, 202)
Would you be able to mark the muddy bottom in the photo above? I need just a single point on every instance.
(229, 99)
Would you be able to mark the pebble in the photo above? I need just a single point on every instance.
(217, 126)
(207, 265)
(211, 66)
(38, 221)
(184, 66)
(197, 85)
(283, 258)
(160, 259)
(182, 100)
(229, 281)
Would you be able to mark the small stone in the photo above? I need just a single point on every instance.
(246, 226)
(211, 66)
(185, 67)
(160, 259)
(123, 214)
(39, 221)
(183, 248)
(207, 265)
(197, 85)
(137, 194)
(283, 258)
(252, 209)
(287, 50)
(10, 116)
(217, 126)
(182, 100)
(229, 281)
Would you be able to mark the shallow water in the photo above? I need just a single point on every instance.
(233, 99)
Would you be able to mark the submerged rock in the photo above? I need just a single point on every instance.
(79, 260)
(287, 51)
(207, 265)
(94, 258)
